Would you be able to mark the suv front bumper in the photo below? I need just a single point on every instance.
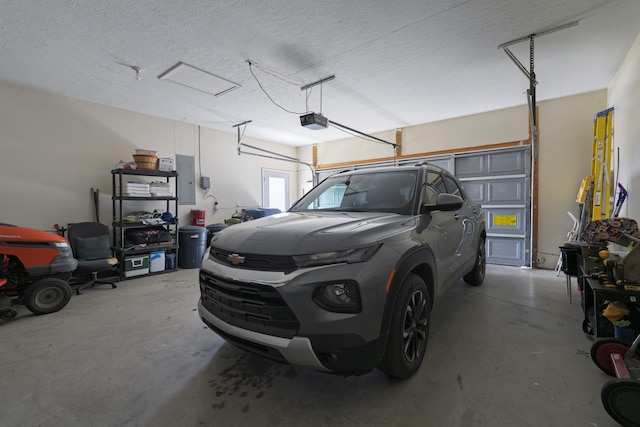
(336, 353)
(297, 350)
(273, 314)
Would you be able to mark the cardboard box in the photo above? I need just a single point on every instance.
(165, 164)
(136, 265)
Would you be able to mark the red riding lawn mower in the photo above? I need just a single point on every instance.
(35, 269)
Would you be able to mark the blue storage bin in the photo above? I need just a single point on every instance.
(255, 213)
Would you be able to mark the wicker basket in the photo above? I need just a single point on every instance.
(140, 151)
(146, 162)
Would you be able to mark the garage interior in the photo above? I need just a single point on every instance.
(219, 90)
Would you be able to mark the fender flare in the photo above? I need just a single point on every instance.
(413, 258)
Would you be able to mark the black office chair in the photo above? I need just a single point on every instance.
(90, 245)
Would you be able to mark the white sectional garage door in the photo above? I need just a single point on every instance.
(500, 180)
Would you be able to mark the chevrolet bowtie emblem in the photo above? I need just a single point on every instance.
(235, 259)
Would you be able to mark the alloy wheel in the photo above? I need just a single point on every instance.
(415, 329)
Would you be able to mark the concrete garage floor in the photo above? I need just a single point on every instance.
(508, 353)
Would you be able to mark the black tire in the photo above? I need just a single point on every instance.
(602, 349)
(476, 276)
(409, 329)
(8, 314)
(586, 327)
(47, 295)
(620, 399)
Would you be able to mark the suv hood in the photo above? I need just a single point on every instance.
(297, 233)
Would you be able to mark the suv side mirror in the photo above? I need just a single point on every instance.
(446, 202)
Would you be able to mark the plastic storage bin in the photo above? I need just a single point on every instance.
(170, 261)
(255, 213)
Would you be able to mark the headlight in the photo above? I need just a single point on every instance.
(325, 258)
(339, 297)
(64, 249)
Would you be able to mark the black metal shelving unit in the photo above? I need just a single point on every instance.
(118, 178)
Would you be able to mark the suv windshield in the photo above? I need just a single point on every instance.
(369, 192)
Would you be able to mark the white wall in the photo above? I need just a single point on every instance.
(305, 175)
(499, 126)
(624, 96)
(566, 137)
(237, 179)
(54, 149)
(481, 129)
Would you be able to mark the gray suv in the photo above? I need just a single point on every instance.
(345, 281)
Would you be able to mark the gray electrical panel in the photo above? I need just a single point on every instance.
(185, 166)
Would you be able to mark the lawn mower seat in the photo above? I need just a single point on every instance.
(91, 247)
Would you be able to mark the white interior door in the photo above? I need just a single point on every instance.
(275, 189)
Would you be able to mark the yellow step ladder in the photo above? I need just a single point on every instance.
(601, 167)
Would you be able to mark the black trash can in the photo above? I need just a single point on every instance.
(570, 259)
(213, 229)
(193, 244)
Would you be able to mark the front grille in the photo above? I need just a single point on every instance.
(262, 262)
(249, 306)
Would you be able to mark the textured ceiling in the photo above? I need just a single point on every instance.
(397, 62)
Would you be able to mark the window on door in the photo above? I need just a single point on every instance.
(275, 189)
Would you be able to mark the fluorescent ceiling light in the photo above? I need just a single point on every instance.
(195, 78)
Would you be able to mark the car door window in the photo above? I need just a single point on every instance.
(434, 186)
(452, 186)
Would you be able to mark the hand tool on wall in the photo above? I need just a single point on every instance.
(622, 196)
(95, 198)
